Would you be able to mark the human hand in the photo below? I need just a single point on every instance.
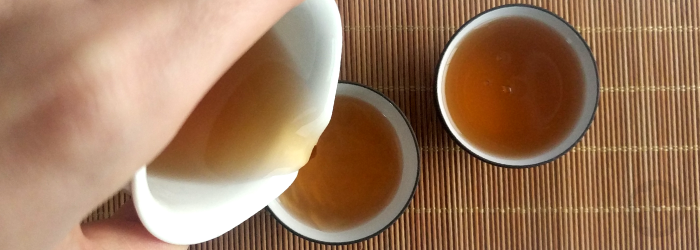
(92, 90)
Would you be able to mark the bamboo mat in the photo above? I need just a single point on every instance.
(633, 182)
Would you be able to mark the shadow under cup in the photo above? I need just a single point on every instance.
(587, 68)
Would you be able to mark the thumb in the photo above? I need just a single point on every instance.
(123, 231)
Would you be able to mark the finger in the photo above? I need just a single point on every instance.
(123, 231)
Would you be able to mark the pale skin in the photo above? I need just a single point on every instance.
(92, 90)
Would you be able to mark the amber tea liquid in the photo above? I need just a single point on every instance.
(514, 88)
(353, 173)
(247, 126)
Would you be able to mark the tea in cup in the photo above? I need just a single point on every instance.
(517, 86)
(360, 178)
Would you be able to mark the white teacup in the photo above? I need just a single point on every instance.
(410, 171)
(582, 52)
(186, 212)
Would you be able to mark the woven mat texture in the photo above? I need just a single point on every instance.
(633, 182)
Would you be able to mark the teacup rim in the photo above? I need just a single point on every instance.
(452, 134)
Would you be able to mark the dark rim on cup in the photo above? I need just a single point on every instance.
(452, 134)
(413, 192)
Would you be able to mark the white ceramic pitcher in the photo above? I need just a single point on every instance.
(184, 212)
